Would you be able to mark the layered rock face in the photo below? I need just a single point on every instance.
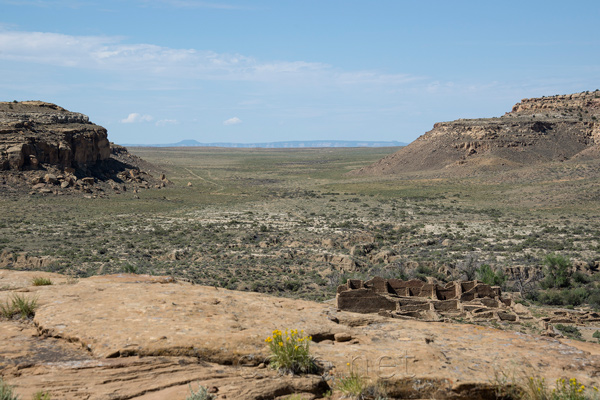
(538, 130)
(35, 132)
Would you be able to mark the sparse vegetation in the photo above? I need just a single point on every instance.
(255, 221)
(569, 331)
(487, 275)
(19, 305)
(6, 391)
(41, 281)
(353, 385)
(521, 386)
(557, 272)
(200, 394)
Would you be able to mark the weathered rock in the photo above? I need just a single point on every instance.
(554, 128)
(342, 337)
(163, 335)
(24, 261)
(51, 179)
(34, 132)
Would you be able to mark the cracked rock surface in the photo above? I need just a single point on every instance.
(148, 337)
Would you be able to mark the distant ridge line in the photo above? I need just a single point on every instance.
(294, 144)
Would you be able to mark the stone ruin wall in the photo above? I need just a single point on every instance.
(417, 299)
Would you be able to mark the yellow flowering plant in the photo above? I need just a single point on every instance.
(572, 390)
(290, 352)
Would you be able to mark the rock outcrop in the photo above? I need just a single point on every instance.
(148, 337)
(539, 130)
(50, 150)
(35, 132)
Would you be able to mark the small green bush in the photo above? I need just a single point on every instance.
(569, 331)
(201, 394)
(516, 386)
(355, 386)
(557, 273)
(487, 275)
(290, 352)
(597, 335)
(352, 385)
(41, 281)
(6, 392)
(41, 396)
(571, 390)
(19, 305)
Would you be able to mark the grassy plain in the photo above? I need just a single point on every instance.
(292, 222)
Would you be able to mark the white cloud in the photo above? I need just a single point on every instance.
(135, 117)
(164, 122)
(232, 121)
(140, 61)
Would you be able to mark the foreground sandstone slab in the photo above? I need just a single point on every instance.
(129, 336)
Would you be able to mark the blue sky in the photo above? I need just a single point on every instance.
(160, 71)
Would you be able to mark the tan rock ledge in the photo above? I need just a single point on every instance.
(142, 337)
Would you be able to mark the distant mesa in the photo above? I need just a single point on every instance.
(49, 149)
(536, 131)
(280, 145)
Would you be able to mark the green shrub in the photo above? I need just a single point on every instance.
(129, 269)
(41, 396)
(575, 297)
(40, 281)
(355, 386)
(597, 335)
(518, 386)
(557, 273)
(571, 390)
(578, 277)
(6, 392)
(352, 385)
(566, 297)
(201, 394)
(290, 352)
(19, 305)
(487, 275)
(569, 331)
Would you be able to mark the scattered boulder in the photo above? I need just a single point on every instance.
(51, 179)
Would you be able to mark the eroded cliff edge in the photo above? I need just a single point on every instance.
(538, 130)
(47, 149)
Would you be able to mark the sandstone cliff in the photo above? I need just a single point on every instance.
(47, 149)
(35, 132)
(536, 131)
